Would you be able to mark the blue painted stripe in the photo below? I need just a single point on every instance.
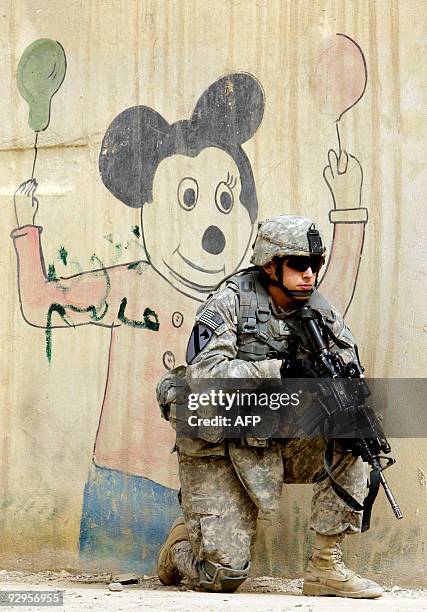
(125, 520)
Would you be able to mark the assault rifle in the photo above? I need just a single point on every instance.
(342, 399)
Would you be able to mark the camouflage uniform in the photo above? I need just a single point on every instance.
(223, 485)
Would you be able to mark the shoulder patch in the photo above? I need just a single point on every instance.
(199, 338)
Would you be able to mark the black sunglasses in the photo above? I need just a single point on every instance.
(301, 263)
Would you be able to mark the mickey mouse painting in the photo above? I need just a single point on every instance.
(193, 181)
(195, 187)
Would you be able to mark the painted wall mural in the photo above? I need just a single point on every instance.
(194, 184)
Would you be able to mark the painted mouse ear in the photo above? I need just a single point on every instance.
(133, 145)
(231, 109)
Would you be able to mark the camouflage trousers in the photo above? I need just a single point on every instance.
(221, 517)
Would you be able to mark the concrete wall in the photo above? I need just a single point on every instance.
(86, 476)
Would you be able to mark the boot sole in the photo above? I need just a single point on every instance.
(316, 589)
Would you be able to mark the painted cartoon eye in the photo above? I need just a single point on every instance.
(188, 193)
(224, 198)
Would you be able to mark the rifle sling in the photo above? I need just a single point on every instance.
(368, 502)
(374, 484)
(334, 338)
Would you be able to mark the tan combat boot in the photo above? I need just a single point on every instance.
(166, 569)
(327, 575)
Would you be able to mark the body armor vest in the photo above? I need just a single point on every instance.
(253, 336)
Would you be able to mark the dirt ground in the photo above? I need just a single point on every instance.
(86, 592)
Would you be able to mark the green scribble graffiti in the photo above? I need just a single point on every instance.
(97, 313)
(118, 250)
(75, 267)
(48, 333)
(61, 310)
(138, 266)
(95, 259)
(118, 247)
(51, 273)
(92, 310)
(63, 255)
(147, 323)
(150, 324)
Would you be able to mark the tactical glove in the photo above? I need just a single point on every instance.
(297, 368)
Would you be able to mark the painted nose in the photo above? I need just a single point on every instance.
(213, 240)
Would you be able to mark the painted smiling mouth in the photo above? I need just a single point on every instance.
(189, 283)
(195, 266)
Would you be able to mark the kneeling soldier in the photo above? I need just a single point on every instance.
(224, 485)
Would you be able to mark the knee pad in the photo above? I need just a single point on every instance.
(219, 578)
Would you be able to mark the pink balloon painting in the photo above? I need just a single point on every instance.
(339, 77)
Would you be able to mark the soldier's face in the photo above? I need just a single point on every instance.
(294, 280)
(196, 230)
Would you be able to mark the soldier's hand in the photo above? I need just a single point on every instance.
(297, 368)
(25, 203)
(344, 177)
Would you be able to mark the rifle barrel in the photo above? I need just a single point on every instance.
(393, 503)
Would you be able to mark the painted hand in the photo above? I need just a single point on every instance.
(25, 203)
(344, 178)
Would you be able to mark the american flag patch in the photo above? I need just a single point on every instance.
(211, 319)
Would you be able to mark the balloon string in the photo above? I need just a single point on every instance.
(35, 155)
(339, 139)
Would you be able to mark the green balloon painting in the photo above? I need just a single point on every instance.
(41, 71)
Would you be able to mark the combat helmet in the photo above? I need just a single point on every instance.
(286, 236)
